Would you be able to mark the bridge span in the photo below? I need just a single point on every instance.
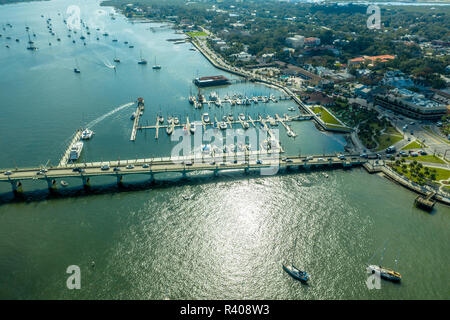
(246, 161)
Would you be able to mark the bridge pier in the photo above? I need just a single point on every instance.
(216, 172)
(86, 182)
(119, 180)
(152, 177)
(247, 170)
(51, 183)
(16, 186)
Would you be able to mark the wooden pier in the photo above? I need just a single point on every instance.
(139, 109)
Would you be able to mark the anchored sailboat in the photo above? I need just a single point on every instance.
(142, 61)
(156, 66)
(294, 272)
(385, 273)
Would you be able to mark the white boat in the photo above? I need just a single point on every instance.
(176, 121)
(75, 150)
(192, 127)
(213, 96)
(64, 183)
(206, 117)
(245, 125)
(242, 116)
(223, 125)
(133, 115)
(87, 134)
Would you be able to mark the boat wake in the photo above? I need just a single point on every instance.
(91, 124)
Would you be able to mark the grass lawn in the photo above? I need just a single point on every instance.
(386, 140)
(413, 145)
(428, 158)
(441, 174)
(326, 116)
(196, 34)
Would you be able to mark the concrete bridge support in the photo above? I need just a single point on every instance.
(51, 183)
(184, 175)
(86, 182)
(16, 186)
(119, 180)
(216, 172)
(152, 177)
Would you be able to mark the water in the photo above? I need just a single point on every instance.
(230, 239)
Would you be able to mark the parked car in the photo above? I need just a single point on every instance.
(363, 155)
(145, 166)
(130, 166)
(116, 169)
(7, 173)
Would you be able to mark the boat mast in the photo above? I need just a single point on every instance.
(382, 254)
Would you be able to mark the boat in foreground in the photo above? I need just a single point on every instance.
(385, 273)
(87, 134)
(295, 273)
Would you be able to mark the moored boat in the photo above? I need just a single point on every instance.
(385, 273)
(295, 273)
(87, 134)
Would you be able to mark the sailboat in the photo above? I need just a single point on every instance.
(76, 69)
(115, 58)
(294, 272)
(30, 43)
(156, 66)
(385, 273)
(142, 61)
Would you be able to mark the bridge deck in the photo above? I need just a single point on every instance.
(225, 161)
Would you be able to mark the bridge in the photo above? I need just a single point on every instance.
(245, 161)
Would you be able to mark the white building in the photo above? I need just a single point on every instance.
(296, 41)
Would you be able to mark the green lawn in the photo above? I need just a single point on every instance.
(413, 145)
(326, 116)
(428, 158)
(441, 174)
(196, 34)
(386, 140)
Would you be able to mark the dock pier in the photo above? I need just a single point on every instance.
(65, 158)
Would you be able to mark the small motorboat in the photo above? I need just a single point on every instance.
(295, 273)
(64, 183)
(87, 134)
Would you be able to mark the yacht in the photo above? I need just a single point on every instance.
(245, 125)
(192, 127)
(176, 121)
(161, 119)
(76, 70)
(296, 273)
(223, 125)
(213, 96)
(75, 150)
(385, 273)
(206, 117)
(142, 61)
(191, 99)
(230, 117)
(242, 116)
(87, 134)
(156, 66)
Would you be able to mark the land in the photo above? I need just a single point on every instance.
(328, 57)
